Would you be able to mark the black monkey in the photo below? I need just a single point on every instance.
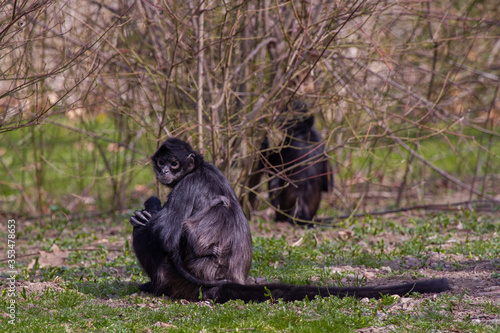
(203, 221)
(300, 170)
(184, 243)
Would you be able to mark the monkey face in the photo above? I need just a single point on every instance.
(171, 166)
(167, 171)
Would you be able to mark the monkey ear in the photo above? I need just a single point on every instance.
(190, 163)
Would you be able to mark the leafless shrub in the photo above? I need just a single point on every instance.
(398, 88)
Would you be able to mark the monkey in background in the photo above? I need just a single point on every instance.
(199, 245)
(299, 171)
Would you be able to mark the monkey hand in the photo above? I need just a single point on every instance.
(220, 199)
(140, 218)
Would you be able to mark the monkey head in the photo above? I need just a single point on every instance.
(174, 160)
(296, 117)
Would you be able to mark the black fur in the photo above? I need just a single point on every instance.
(258, 293)
(300, 170)
(200, 241)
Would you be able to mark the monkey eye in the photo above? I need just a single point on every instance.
(160, 163)
(174, 165)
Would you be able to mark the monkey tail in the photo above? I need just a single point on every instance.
(262, 293)
(193, 279)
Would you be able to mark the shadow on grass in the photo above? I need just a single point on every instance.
(106, 289)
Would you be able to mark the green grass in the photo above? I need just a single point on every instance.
(96, 287)
(457, 152)
(54, 165)
(58, 163)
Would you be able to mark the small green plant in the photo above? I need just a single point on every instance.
(269, 294)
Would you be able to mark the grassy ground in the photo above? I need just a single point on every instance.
(81, 275)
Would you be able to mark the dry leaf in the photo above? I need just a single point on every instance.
(164, 325)
(55, 258)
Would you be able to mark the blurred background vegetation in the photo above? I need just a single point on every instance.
(405, 94)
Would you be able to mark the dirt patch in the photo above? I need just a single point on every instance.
(38, 287)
